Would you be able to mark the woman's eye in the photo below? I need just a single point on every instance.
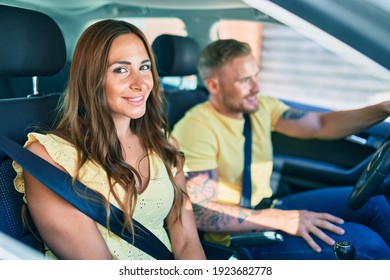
(145, 67)
(120, 70)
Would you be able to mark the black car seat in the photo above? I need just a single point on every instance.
(176, 56)
(32, 45)
(11, 87)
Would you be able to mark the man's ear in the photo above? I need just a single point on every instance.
(212, 85)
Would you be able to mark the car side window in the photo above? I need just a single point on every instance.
(295, 68)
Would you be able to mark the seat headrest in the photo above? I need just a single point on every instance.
(31, 43)
(176, 55)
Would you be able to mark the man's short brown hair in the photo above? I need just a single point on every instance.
(218, 53)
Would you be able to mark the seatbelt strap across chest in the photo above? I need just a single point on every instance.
(246, 176)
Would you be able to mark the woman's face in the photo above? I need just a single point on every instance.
(129, 77)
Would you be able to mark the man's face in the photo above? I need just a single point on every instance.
(238, 87)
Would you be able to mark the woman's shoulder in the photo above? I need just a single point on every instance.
(50, 147)
(56, 147)
(46, 139)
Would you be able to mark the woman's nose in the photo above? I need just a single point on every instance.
(137, 82)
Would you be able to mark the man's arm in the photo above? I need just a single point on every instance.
(212, 216)
(331, 125)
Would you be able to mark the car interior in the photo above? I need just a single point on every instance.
(35, 31)
(33, 77)
(39, 111)
(176, 56)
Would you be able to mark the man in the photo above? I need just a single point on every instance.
(211, 137)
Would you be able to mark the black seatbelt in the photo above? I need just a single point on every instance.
(246, 176)
(61, 183)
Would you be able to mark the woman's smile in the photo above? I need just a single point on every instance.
(135, 101)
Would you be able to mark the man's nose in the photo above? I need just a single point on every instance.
(255, 85)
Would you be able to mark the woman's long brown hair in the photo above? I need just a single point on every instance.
(85, 119)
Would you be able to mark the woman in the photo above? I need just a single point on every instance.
(112, 135)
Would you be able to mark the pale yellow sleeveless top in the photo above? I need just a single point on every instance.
(152, 207)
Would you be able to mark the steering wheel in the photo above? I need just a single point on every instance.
(372, 178)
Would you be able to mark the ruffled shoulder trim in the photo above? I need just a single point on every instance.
(59, 150)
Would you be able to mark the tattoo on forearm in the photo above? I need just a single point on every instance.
(294, 114)
(242, 217)
(208, 219)
(202, 188)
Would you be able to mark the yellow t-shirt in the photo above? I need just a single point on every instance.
(153, 205)
(210, 140)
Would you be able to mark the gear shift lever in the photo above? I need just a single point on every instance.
(344, 250)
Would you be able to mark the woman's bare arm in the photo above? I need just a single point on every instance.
(68, 232)
(183, 232)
